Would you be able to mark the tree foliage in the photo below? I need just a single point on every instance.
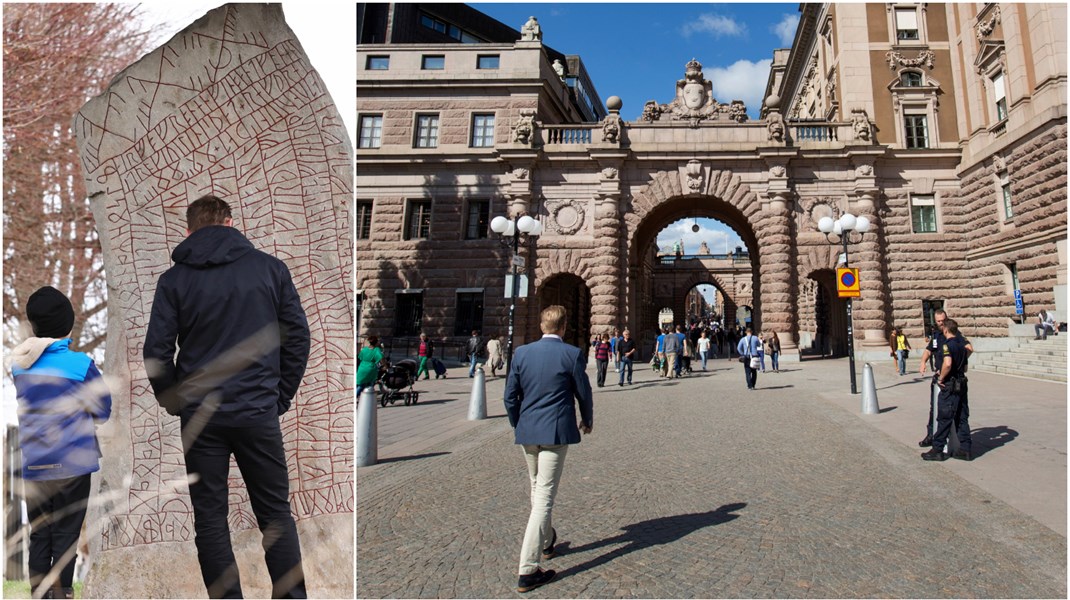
(56, 57)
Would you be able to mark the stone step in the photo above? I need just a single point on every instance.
(1058, 377)
(1028, 367)
(1012, 357)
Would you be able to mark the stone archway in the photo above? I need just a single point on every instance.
(569, 291)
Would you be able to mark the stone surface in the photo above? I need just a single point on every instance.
(230, 106)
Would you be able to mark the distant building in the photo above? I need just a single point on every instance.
(945, 125)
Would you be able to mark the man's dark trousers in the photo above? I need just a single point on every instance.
(752, 374)
(259, 453)
(954, 412)
(56, 509)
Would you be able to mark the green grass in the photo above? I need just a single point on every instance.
(21, 589)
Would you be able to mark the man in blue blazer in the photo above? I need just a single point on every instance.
(544, 377)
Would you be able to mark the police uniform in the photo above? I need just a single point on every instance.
(936, 348)
(953, 408)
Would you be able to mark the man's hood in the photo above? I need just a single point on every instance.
(211, 246)
(27, 353)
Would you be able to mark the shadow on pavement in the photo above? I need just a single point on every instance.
(889, 409)
(775, 387)
(654, 532)
(990, 438)
(413, 457)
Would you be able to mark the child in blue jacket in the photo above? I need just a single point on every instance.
(62, 397)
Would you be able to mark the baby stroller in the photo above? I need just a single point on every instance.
(393, 379)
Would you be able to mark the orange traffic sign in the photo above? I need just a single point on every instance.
(847, 283)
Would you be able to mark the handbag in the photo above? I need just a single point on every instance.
(906, 353)
(743, 360)
(754, 362)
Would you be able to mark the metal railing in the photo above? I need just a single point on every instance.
(669, 259)
(398, 348)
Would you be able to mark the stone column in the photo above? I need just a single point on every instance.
(777, 273)
(606, 282)
(870, 310)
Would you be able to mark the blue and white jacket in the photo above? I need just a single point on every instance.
(62, 397)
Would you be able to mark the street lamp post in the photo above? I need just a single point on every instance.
(842, 228)
(514, 228)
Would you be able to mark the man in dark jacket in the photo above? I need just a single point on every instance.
(243, 344)
(544, 379)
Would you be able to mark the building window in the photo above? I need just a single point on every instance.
(449, 29)
(1015, 284)
(487, 61)
(469, 313)
(371, 131)
(409, 314)
(418, 220)
(364, 220)
(378, 63)
(482, 131)
(923, 213)
(906, 24)
(1005, 192)
(928, 314)
(433, 23)
(1000, 94)
(911, 79)
(427, 131)
(917, 131)
(477, 219)
(433, 62)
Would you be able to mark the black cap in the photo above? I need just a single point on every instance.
(50, 313)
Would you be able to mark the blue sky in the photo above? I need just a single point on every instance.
(638, 52)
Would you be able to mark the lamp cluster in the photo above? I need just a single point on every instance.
(508, 227)
(845, 224)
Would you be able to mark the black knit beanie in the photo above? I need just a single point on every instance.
(50, 313)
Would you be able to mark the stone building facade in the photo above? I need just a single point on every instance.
(945, 125)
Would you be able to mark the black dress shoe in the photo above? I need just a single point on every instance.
(530, 582)
(928, 441)
(962, 455)
(548, 552)
(934, 454)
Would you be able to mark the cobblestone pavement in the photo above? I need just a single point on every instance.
(697, 488)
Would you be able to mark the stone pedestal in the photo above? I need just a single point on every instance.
(230, 106)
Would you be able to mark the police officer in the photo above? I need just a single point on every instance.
(953, 407)
(933, 349)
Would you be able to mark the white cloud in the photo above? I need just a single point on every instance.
(744, 80)
(712, 232)
(715, 25)
(785, 29)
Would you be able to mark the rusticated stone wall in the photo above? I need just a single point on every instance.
(229, 106)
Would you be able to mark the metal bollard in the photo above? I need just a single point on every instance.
(367, 429)
(477, 403)
(869, 392)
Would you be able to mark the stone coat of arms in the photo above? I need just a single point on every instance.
(694, 101)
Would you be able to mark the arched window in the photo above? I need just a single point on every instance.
(911, 79)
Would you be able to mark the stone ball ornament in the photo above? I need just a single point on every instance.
(772, 101)
(614, 103)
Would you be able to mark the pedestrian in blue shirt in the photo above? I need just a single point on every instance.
(62, 398)
(748, 351)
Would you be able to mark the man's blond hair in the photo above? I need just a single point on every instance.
(552, 319)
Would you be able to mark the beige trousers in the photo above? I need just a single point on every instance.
(545, 464)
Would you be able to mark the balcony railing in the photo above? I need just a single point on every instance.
(814, 132)
(569, 134)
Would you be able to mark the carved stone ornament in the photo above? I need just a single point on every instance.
(694, 176)
(694, 101)
(609, 173)
(521, 173)
(830, 87)
(531, 31)
(560, 69)
(778, 171)
(864, 170)
(775, 126)
(611, 129)
(986, 27)
(814, 209)
(999, 162)
(566, 217)
(524, 131)
(895, 58)
(860, 122)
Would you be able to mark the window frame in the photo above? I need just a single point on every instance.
(418, 137)
(1006, 196)
(903, 79)
(368, 63)
(422, 209)
(481, 57)
(413, 296)
(907, 137)
(919, 11)
(923, 201)
(486, 139)
(998, 82)
(474, 303)
(482, 223)
(364, 218)
(424, 62)
(377, 140)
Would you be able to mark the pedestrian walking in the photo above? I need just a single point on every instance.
(545, 381)
(473, 348)
(953, 406)
(626, 350)
(368, 364)
(61, 398)
(613, 341)
(703, 349)
(245, 345)
(494, 355)
(601, 358)
(681, 356)
(772, 341)
(748, 355)
(425, 352)
(672, 348)
(900, 346)
(660, 352)
(761, 351)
